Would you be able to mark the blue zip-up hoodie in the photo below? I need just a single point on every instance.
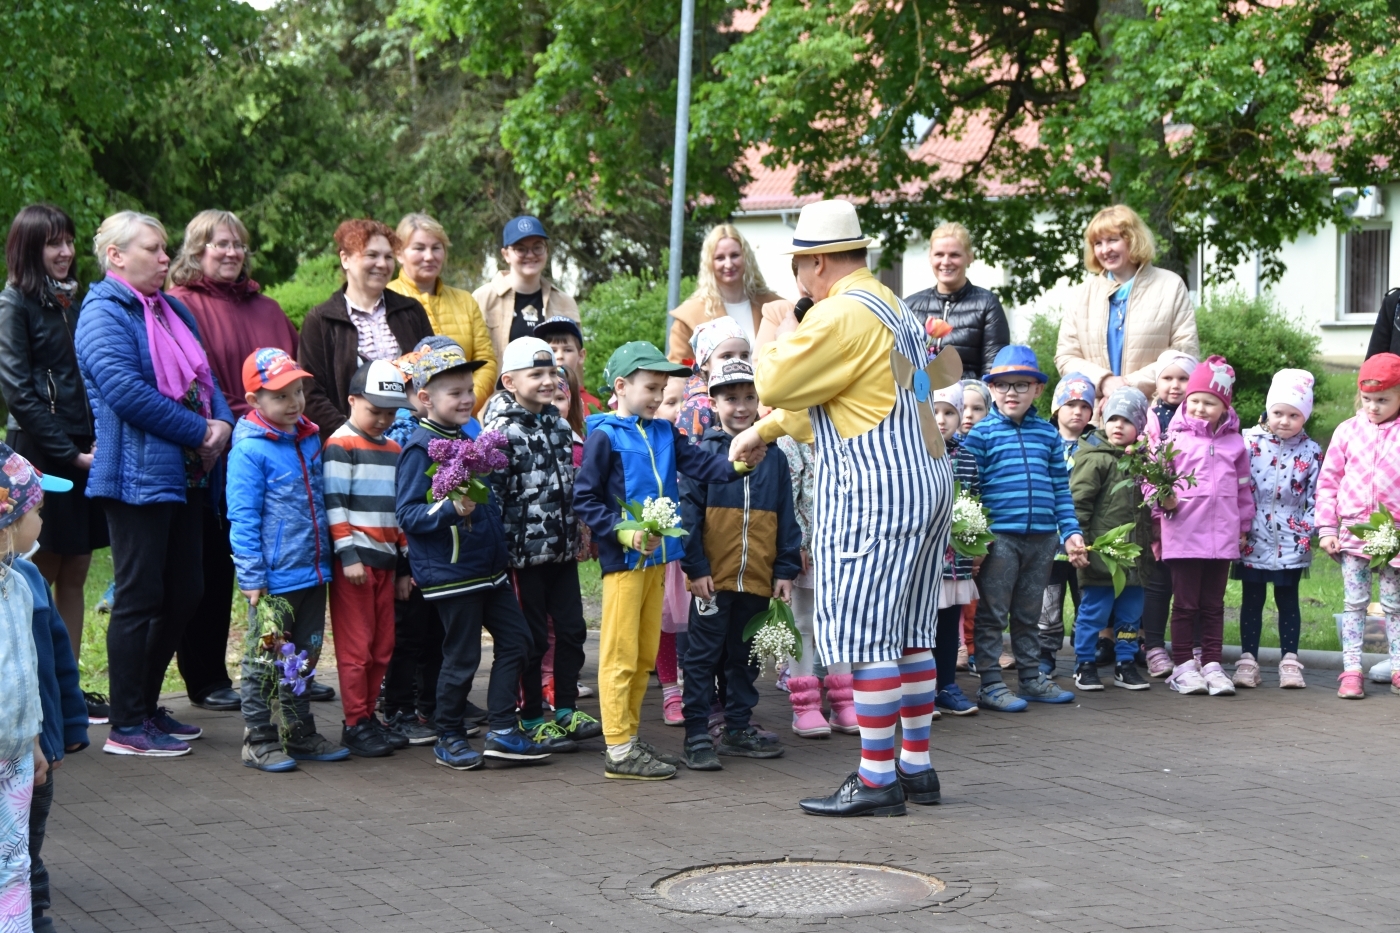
(1021, 468)
(276, 507)
(141, 434)
(448, 554)
(65, 710)
(636, 459)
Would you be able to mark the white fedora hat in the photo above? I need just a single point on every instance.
(827, 227)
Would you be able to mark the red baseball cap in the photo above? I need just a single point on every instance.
(272, 369)
(1379, 373)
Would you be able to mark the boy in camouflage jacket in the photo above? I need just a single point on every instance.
(537, 493)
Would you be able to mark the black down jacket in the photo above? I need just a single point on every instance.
(39, 373)
(979, 323)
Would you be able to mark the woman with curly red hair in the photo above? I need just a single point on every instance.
(363, 320)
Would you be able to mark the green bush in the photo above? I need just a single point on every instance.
(1258, 340)
(624, 308)
(312, 283)
(1043, 335)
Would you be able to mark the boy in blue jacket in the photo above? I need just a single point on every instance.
(457, 552)
(632, 456)
(1025, 486)
(281, 547)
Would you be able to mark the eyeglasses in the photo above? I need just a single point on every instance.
(1014, 388)
(537, 250)
(227, 246)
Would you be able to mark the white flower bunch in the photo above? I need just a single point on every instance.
(969, 518)
(774, 640)
(1383, 542)
(662, 511)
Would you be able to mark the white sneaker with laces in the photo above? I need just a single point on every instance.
(1187, 679)
(1218, 683)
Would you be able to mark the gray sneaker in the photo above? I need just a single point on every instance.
(658, 754)
(1042, 689)
(639, 765)
(262, 749)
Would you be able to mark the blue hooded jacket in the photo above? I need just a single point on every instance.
(141, 434)
(276, 507)
(65, 710)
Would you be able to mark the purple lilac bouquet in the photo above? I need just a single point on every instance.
(458, 466)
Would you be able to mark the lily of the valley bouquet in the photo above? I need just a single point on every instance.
(459, 464)
(773, 634)
(267, 649)
(1155, 466)
(656, 516)
(1115, 550)
(972, 524)
(1379, 536)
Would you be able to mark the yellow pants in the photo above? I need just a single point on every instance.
(627, 647)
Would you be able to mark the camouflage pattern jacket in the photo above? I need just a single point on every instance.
(537, 489)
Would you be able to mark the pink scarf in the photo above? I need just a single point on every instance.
(176, 355)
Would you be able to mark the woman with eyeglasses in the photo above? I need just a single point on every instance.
(210, 276)
(521, 296)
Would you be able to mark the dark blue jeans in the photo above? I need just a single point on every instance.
(410, 684)
(717, 646)
(463, 618)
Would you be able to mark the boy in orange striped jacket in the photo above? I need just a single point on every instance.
(370, 551)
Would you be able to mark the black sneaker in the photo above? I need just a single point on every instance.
(412, 728)
(1086, 676)
(550, 736)
(1106, 651)
(1126, 675)
(99, 712)
(476, 714)
(365, 739)
(700, 755)
(319, 693)
(397, 740)
(747, 743)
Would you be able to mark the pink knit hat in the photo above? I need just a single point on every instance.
(1214, 376)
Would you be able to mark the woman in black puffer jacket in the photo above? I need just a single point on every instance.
(979, 323)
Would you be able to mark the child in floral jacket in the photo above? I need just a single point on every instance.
(1283, 466)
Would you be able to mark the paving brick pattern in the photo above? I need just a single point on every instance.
(1126, 811)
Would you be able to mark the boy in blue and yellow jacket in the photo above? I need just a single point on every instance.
(631, 456)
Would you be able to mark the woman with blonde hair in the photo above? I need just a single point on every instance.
(453, 312)
(1129, 313)
(729, 284)
(979, 323)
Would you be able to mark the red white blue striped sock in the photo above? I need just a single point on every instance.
(918, 683)
(876, 689)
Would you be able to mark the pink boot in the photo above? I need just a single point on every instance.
(807, 719)
(671, 705)
(843, 703)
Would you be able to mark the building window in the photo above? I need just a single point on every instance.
(1365, 272)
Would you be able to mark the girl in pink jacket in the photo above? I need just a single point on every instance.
(1204, 526)
(1362, 471)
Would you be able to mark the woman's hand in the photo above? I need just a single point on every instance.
(82, 462)
(1330, 544)
(1110, 385)
(215, 440)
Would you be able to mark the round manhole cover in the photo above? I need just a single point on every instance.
(798, 889)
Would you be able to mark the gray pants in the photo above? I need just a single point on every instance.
(305, 626)
(1012, 587)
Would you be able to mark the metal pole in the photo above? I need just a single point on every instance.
(673, 290)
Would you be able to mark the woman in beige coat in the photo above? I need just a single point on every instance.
(729, 283)
(1123, 319)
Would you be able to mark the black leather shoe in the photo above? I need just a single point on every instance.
(222, 700)
(365, 740)
(921, 787)
(319, 693)
(854, 798)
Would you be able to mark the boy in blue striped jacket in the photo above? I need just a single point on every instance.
(1025, 487)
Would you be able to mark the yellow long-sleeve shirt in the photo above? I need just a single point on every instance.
(839, 358)
(454, 313)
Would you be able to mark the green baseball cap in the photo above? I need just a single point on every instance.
(639, 354)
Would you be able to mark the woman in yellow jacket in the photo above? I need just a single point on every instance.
(453, 312)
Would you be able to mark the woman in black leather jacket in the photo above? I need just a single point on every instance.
(979, 323)
(50, 422)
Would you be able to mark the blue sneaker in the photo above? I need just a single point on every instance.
(995, 696)
(1044, 690)
(454, 751)
(144, 741)
(104, 605)
(952, 700)
(514, 745)
(172, 727)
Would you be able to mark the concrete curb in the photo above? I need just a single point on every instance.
(1269, 657)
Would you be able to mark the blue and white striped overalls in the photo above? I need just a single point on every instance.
(881, 520)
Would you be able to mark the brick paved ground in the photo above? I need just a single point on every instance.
(1268, 811)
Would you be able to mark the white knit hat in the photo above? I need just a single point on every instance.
(1292, 387)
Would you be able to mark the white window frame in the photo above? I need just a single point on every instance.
(1342, 272)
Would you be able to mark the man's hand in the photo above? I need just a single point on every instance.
(703, 587)
(254, 595)
(1330, 544)
(403, 588)
(464, 506)
(782, 589)
(355, 573)
(41, 765)
(1078, 553)
(748, 447)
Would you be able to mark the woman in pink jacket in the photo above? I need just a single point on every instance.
(1362, 472)
(1204, 526)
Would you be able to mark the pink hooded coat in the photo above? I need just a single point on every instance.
(1210, 516)
(1361, 470)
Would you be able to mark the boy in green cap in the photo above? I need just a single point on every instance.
(631, 456)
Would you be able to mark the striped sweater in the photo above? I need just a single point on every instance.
(359, 482)
(1025, 484)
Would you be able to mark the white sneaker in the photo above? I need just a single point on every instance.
(1380, 673)
(1187, 679)
(1246, 671)
(1217, 681)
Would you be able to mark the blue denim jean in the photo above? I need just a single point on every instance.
(1096, 607)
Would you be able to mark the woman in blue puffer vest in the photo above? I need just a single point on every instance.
(162, 423)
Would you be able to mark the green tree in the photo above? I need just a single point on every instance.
(622, 309)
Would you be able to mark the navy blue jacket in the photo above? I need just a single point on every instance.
(65, 710)
(141, 434)
(448, 554)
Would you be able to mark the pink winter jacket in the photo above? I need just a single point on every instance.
(1361, 470)
(1210, 516)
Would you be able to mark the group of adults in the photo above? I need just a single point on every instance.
(132, 390)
